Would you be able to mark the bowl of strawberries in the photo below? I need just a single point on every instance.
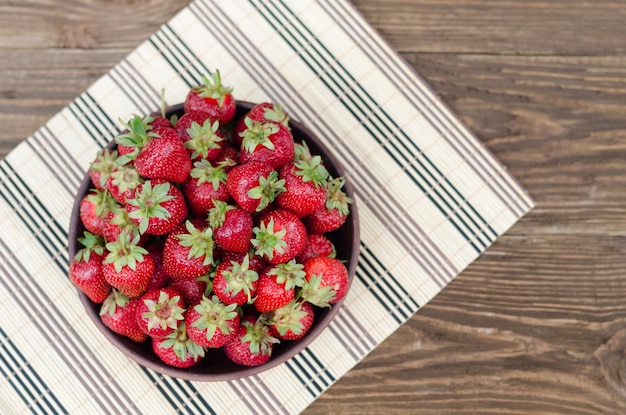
(214, 239)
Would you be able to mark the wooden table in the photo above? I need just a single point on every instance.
(538, 323)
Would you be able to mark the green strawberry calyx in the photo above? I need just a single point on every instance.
(105, 164)
(312, 170)
(336, 197)
(268, 189)
(181, 344)
(302, 151)
(267, 241)
(291, 274)
(149, 201)
(203, 138)
(102, 200)
(213, 88)
(258, 336)
(288, 317)
(257, 133)
(126, 178)
(116, 299)
(92, 243)
(125, 252)
(277, 114)
(205, 172)
(137, 136)
(217, 214)
(163, 313)
(315, 293)
(214, 315)
(199, 241)
(240, 278)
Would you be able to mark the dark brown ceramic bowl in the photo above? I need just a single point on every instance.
(215, 366)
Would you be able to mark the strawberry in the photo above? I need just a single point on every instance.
(102, 167)
(211, 323)
(160, 312)
(277, 286)
(255, 262)
(334, 213)
(94, 208)
(192, 289)
(157, 207)
(118, 313)
(157, 155)
(86, 268)
(123, 182)
(228, 156)
(188, 250)
(252, 344)
(232, 227)
(234, 282)
(316, 245)
(304, 192)
(292, 321)
(205, 183)
(201, 135)
(326, 281)
(280, 236)
(269, 142)
(159, 278)
(254, 185)
(177, 349)
(213, 98)
(127, 266)
(264, 111)
(118, 221)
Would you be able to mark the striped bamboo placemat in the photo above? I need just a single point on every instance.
(431, 199)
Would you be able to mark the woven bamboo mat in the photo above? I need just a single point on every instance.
(431, 199)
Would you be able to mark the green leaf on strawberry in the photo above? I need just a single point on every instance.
(316, 294)
(149, 201)
(267, 241)
(165, 312)
(291, 274)
(258, 133)
(200, 242)
(92, 243)
(268, 189)
(214, 316)
(125, 252)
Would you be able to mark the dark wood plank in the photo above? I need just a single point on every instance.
(558, 27)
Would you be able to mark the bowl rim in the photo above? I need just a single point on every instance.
(242, 371)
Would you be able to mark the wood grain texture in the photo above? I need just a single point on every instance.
(538, 323)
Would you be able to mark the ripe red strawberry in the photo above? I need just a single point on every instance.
(157, 155)
(277, 286)
(205, 183)
(188, 251)
(118, 313)
(159, 278)
(102, 167)
(234, 282)
(118, 221)
(305, 190)
(255, 262)
(127, 266)
(326, 281)
(157, 207)
(213, 98)
(211, 323)
(264, 111)
(254, 185)
(86, 268)
(269, 142)
(94, 208)
(252, 344)
(232, 227)
(292, 321)
(316, 245)
(228, 156)
(123, 182)
(177, 349)
(280, 236)
(334, 213)
(192, 289)
(160, 312)
(201, 135)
